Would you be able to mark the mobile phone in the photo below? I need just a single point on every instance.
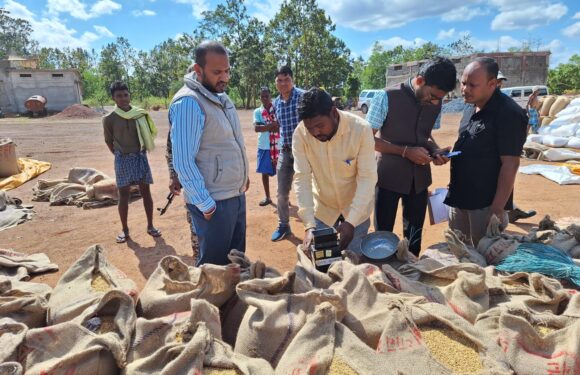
(451, 154)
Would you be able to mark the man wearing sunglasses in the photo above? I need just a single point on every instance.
(402, 119)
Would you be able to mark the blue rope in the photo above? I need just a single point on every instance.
(544, 259)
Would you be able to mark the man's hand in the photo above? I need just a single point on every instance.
(500, 213)
(307, 241)
(418, 155)
(175, 185)
(209, 214)
(346, 233)
(438, 158)
(274, 127)
(247, 185)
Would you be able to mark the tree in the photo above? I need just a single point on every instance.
(565, 78)
(15, 36)
(115, 62)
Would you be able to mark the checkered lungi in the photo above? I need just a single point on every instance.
(132, 169)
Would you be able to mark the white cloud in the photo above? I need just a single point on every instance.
(77, 8)
(51, 31)
(197, 6)
(572, 31)
(145, 12)
(368, 15)
(576, 16)
(264, 10)
(503, 43)
(398, 41)
(463, 14)
(446, 34)
(526, 14)
(103, 31)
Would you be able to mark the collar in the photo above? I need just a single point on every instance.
(293, 93)
(343, 124)
(409, 89)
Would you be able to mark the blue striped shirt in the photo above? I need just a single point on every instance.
(379, 109)
(287, 115)
(187, 122)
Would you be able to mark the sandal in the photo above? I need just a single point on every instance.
(265, 202)
(154, 232)
(123, 237)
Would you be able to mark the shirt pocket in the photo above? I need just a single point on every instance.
(347, 167)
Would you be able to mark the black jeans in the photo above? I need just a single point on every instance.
(414, 210)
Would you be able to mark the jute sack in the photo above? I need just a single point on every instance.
(277, 312)
(187, 343)
(20, 266)
(84, 284)
(173, 284)
(567, 240)
(431, 339)
(307, 276)
(546, 104)
(495, 246)
(326, 347)
(24, 302)
(11, 336)
(8, 159)
(559, 104)
(10, 368)
(547, 120)
(95, 342)
(463, 252)
(535, 344)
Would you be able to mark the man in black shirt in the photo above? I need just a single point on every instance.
(492, 135)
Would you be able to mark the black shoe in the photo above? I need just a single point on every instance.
(517, 214)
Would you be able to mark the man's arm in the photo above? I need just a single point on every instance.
(505, 184)
(303, 185)
(187, 123)
(108, 130)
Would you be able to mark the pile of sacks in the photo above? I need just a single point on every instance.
(441, 314)
(562, 132)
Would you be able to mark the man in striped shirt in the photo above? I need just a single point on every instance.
(209, 155)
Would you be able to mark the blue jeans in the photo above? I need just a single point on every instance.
(285, 173)
(226, 230)
(360, 231)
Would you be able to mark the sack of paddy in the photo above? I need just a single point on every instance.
(21, 266)
(495, 246)
(11, 337)
(560, 155)
(11, 368)
(546, 104)
(431, 339)
(463, 252)
(573, 142)
(534, 343)
(568, 130)
(103, 190)
(186, 343)
(84, 284)
(554, 141)
(233, 311)
(307, 276)
(326, 347)
(173, 284)
(461, 287)
(565, 120)
(569, 110)
(546, 120)
(276, 312)
(24, 302)
(559, 104)
(95, 342)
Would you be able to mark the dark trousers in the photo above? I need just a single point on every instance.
(414, 209)
(226, 230)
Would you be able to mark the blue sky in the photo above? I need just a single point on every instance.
(554, 24)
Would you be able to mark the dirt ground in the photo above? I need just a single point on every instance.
(64, 232)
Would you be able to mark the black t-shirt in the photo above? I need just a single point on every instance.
(499, 129)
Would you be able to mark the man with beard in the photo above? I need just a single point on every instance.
(492, 135)
(404, 118)
(335, 169)
(209, 155)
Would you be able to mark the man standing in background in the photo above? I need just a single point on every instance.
(266, 126)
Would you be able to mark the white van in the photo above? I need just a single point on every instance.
(364, 100)
(520, 94)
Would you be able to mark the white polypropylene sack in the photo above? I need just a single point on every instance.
(569, 119)
(566, 130)
(558, 174)
(578, 132)
(535, 138)
(570, 110)
(574, 103)
(553, 141)
(560, 155)
(574, 142)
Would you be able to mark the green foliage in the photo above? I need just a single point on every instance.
(565, 78)
(15, 36)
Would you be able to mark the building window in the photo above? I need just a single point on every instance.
(399, 67)
(24, 75)
(57, 75)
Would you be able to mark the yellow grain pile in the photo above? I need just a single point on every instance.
(107, 324)
(219, 371)
(339, 367)
(544, 330)
(99, 283)
(452, 349)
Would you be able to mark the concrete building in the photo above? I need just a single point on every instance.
(20, 78)
(520, 68)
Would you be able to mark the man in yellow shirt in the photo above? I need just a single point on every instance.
(335, 169)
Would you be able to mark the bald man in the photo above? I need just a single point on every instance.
(492, 135)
